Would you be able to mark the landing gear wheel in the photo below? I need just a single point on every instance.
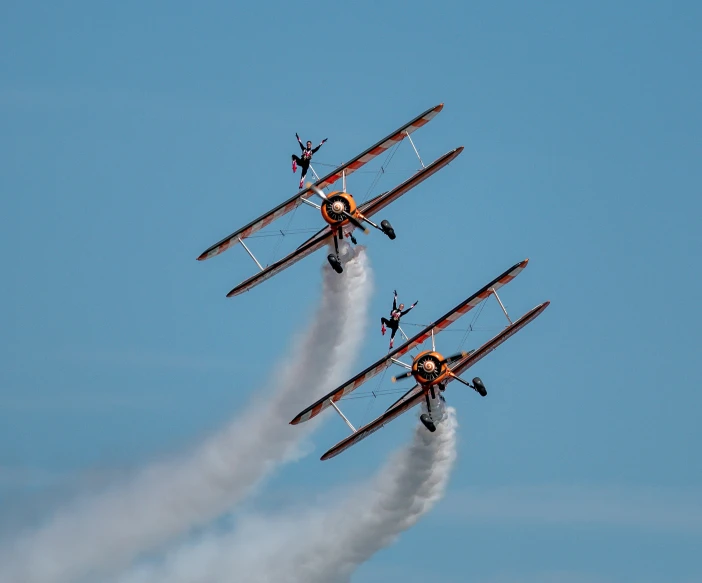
(479, 387)
(334, 262)
(387, 229)
(353, 239)
(427, 422)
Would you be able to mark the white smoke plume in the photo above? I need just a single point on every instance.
(168, 498)
(326, 543)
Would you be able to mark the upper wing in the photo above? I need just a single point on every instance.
(373, 426)
(345, 169)
(476, 355)
(448, 318)
(303, 251)
(416, 395)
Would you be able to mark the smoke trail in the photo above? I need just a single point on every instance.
(322, 545)
(169, 498)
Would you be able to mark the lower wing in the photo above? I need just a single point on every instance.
(303, 251)
(416, 395)
(373, 426)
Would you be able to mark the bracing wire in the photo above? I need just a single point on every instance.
(379, 173)
(282, 232)
(374, 394)
(470, 326)
(356, 171)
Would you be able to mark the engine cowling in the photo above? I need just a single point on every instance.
(336, 205)
(428, 368)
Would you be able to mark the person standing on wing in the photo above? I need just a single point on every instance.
(395, 314)
(304, 161)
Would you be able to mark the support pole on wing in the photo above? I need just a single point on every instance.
(400, 363)
(315, 174)
(415, 149)
(309, 202)
(249, 252)
(333, 404)
(343, 180)
(499, 301)
(403, 333)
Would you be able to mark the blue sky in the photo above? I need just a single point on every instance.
(134, 136)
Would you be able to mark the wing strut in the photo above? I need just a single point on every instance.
(310, 203)
(251, 254)
(415, 149)
(353, 429)
(499, 301)
(315, 174)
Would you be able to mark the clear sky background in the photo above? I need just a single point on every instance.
(133, 136)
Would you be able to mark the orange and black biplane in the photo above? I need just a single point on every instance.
(338, 208)
(431, 370)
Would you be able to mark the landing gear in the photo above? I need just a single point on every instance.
(386, 227)
(334, 262)
(427, 422)
(353, 239)
(426, 418)
(333, 258)
(479, 387)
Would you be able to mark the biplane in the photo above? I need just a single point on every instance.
(338, 209)
(431, 370)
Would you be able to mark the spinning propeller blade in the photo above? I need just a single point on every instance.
(318, 191)
(355, 222)
(404, 375)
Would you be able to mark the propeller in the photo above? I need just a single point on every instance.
(353, 220)
(404, 375)
(318, 191)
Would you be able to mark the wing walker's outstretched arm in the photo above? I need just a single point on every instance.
(314, 151)
(408, 309)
